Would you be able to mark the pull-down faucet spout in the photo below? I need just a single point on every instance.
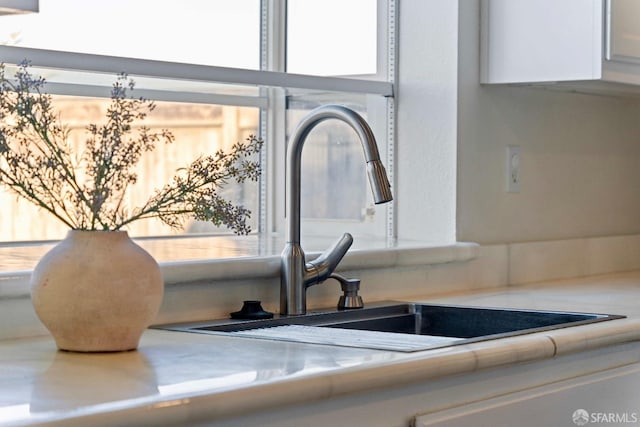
(297, 274)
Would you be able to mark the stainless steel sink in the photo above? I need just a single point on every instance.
(465, 324)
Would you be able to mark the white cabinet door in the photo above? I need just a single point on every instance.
(623, 30)
(584, 45)
(541, 40)
(608, 398)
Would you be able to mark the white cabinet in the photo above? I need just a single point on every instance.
(572, 42)
(623, 44)
(608, 397)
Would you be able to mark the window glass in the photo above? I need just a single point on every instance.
(211, 32)
(334, 182)
(198, 130)
(331, 37)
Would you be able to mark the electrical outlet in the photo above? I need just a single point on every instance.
(513, 169)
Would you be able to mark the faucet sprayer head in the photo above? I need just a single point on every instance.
(379, 182)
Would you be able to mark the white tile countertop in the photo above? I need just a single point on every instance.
(175, 377)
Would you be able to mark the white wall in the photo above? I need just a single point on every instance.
(580, 159)
(425, 184)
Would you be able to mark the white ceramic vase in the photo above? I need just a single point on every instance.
(97, 291)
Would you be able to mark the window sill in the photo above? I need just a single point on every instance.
(190, 259)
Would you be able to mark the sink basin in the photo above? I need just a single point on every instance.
(401, 321)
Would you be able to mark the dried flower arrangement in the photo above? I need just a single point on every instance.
(86, 190)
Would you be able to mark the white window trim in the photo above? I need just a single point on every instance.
(15, 284)
(113, 65)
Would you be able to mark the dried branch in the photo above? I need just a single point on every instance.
(36, 163)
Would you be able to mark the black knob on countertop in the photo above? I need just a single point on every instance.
(251, 310)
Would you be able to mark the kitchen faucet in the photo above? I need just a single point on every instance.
(297, 274)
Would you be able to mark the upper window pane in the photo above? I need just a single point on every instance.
(209, 32)
(331, 37)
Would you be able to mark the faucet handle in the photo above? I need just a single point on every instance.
(350, 287)
(321, 268)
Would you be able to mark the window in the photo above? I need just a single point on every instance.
(332, 37)
(197, 128)
(189, 31)
(217, 71)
